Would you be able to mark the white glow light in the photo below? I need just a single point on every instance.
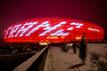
(52, 28)
(78, 25)
(23, 30)
(93, 29)
(44, 24)
(59, 33)
(14, 30)
(71, 28)
(29, 25)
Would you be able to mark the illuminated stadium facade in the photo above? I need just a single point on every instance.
(53, 30)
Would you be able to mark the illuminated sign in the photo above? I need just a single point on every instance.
(44, 29)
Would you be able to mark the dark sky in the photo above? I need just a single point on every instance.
(13, 11)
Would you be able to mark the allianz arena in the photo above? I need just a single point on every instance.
(53, 30)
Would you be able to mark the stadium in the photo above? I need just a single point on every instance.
(53, 30)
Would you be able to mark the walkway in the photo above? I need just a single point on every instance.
(57, 60)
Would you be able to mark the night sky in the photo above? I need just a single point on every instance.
(13, 11)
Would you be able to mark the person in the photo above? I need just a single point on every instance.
(65, 48)
(83, 49)
(74, 47)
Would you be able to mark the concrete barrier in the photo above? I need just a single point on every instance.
(48, 63)
(28, 63)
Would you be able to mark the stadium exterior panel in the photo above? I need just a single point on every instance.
(53, 30)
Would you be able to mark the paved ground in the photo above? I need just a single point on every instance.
(59, 61)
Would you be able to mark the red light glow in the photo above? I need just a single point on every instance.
(53, 30)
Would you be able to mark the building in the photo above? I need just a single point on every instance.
(53, 30)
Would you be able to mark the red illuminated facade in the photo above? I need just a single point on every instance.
(53, 30)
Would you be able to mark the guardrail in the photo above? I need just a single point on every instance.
(35, 63)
